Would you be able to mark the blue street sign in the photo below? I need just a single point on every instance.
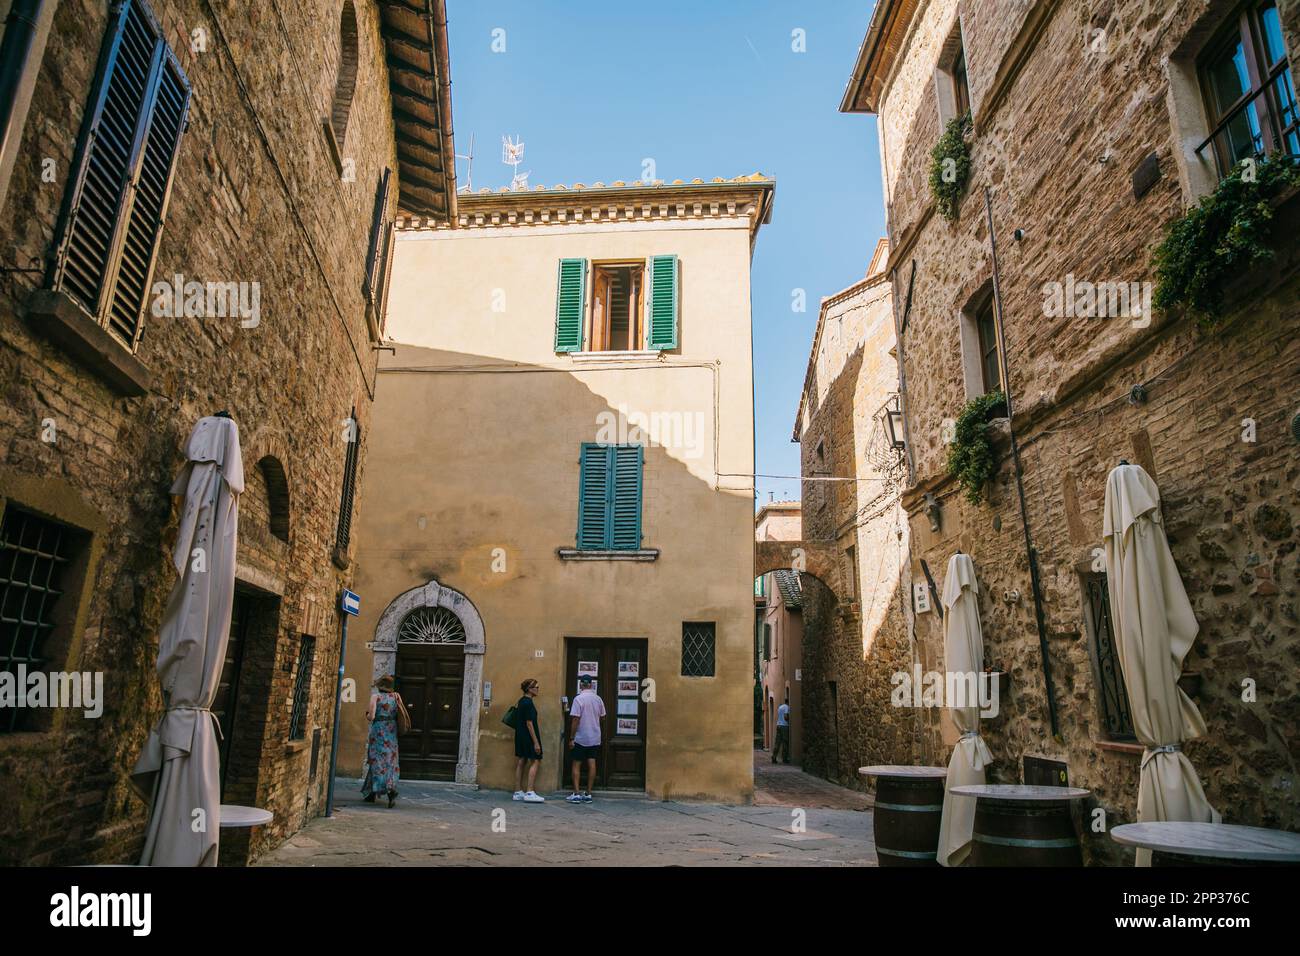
(350, 603)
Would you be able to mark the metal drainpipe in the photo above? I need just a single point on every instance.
(1020, 485)
(16, 50)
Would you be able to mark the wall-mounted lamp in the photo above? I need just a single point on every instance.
(934, 510)
(892, 416)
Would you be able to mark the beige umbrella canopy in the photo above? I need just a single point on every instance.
(1154, 629)
(179, 772)
(963, 650)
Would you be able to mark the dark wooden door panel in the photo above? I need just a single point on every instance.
(620, 764)
(431, 681)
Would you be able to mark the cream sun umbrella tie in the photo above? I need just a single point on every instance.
(1154, 629)
(179, 771)
(963, 648)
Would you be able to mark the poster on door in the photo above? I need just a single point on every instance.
(628, 688)
(588, 669)
(629, 668)
(627, 726)
(628, 706)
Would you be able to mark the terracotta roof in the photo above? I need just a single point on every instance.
(621, 184)
(419, 83)
(790, 587)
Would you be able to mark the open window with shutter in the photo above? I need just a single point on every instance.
(121, 177)
(375, 286)
(665, 286)
(343, 533)
(609, 497)
(570, 304)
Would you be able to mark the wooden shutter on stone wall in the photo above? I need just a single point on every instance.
(570, 304)
(593, 496)
(665, 273)
(121, 176)
(375, 258)
(625, 503)
(344, 532)
(609, 497)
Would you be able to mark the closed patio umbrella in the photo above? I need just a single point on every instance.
(963, 651)
(1154, 629)
(179, 772)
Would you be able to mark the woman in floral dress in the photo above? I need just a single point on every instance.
(381, 749)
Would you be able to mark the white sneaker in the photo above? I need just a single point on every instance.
(533, 797)
(519, 795)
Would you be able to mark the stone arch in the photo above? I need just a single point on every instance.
(277, 495)
(434, 595)
(816, 558)
(345, 84)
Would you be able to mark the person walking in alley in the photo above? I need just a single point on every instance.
(586, 714)
(782, 744)
(385, 712)
(528, 743)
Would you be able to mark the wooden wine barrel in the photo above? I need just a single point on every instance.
(909, 808)
(1023, 825)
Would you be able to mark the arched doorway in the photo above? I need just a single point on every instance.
(431, 639)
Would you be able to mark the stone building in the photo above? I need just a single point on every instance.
(1090, 132)
(854, 638)
(778, 632)
(197, 208)
(561, 482)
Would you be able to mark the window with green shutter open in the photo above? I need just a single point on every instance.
(609, 497)
(617, 306)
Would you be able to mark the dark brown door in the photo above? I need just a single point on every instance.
(430, 678)
(223, 706)
(620, 666)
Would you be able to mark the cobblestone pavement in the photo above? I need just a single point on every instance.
(444, 824)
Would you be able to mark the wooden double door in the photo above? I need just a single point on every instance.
(431, 680)
(618, 666)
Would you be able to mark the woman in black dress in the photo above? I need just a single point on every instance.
(528, 743)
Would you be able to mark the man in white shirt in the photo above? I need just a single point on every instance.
(782, 744)
(586, 714)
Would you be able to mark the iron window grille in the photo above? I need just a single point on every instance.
(302, 689)
(1116, 716)
(1249, 91)
(34, 556)
(698, 648)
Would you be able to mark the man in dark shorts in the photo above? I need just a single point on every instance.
(586, 714)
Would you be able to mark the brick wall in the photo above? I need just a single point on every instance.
(257, 197)
(1057, 152)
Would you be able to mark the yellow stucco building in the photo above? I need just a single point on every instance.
(559, 479)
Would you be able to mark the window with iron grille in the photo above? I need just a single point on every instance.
(302, 689)
(1249, 90)
(34, 557)
(121, 176)
(353, 440)
(1116, 717)
(698, 646)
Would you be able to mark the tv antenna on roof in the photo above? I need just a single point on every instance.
(512, 154)
(469, 169)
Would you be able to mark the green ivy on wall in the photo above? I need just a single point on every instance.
(1225, 234)
(950, 166)
(971, 459)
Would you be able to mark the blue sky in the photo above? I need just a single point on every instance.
(706, 88)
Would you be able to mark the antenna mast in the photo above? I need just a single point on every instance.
(469, 170)
(512, 154)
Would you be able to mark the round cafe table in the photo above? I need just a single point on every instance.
(233, 816)
(1181, 843)
(909, 808)
(1019, 825)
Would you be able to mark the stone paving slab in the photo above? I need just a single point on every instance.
(438, 825)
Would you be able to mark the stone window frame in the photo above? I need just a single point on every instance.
(972, 347)
(1186, 102)
(56, 500)
(823, 466)
(948, 88)
(335, 124)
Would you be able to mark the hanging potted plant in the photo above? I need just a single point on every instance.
(950, 166)
(1227, 233)
(972, 459)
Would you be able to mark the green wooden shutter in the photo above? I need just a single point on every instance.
(114, 211)
(593, 497)
(625, 502)
(570, 299)
(665, 283)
